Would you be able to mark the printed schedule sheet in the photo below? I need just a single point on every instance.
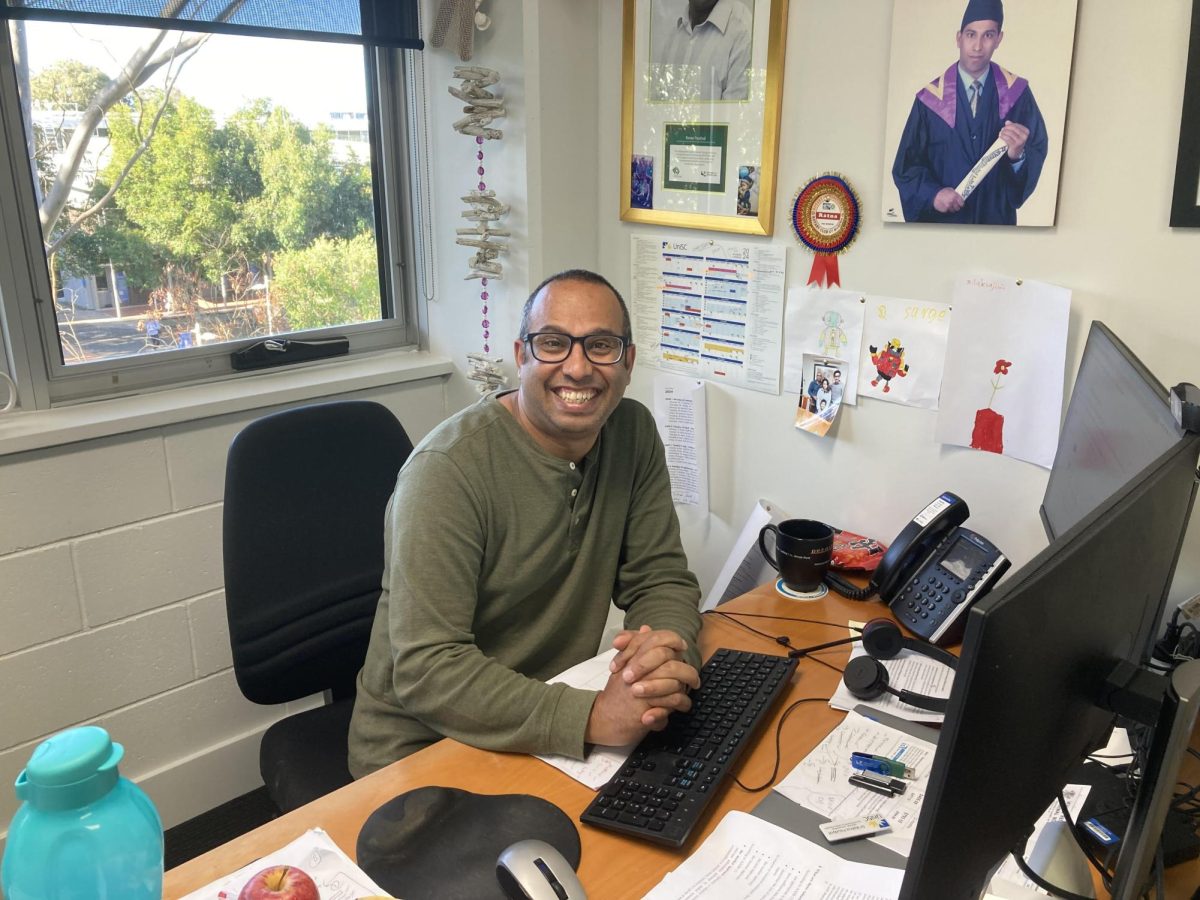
(710, 309)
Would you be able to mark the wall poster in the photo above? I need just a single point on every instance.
(709, 309)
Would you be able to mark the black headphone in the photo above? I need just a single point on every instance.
(867, 678)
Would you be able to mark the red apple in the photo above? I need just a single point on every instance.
(280, 883)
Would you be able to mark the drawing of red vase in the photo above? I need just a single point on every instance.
(988, 433)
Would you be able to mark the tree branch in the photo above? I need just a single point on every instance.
(53, 246)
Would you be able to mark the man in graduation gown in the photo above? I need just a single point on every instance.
(956, 118)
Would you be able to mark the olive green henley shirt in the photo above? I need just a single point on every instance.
(501, 562)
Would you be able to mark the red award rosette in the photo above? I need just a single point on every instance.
(825, 218)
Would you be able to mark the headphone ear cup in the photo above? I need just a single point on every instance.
(865, 678)
(882, 639)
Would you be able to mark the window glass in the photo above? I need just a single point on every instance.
(195, 189)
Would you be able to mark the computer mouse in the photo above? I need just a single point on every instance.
(533, 870)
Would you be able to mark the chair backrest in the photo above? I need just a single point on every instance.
(305, 493)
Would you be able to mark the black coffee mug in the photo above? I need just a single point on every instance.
(803, 549)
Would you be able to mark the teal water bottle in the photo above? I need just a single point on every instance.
(82, 831)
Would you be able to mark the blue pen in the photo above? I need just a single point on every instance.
(881, 765)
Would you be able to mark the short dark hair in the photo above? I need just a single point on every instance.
(578, 275)
(837, 371)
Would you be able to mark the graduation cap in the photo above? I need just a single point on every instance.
(982, 10)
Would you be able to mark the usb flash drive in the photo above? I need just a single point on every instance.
(878, 785)
(881, 765)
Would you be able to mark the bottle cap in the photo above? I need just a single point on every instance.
(70, 769)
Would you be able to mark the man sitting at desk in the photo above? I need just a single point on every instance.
(511, 527)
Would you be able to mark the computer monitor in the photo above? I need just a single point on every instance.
(1118, 420)
(1033, 694)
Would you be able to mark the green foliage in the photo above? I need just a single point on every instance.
(174, 193)
(109, 238)
(221, 202)
(67, 84)
(334, 281)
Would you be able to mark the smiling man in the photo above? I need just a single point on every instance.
(954, 121)
(513, 525)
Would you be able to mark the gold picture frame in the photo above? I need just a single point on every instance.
(699, 138)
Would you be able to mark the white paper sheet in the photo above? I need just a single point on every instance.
(709, 309)
(337, 877)
(681, 416)
(909, 341)
(602, 762)
(747, 857)
(1015, 408)
(909, 671)
(745, 568)
(824, 323)
(1009, 872)
(819, 782)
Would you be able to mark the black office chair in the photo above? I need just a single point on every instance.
(305, 492)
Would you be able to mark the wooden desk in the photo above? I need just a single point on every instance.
(642, 865)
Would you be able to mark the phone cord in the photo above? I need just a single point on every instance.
(847, 590)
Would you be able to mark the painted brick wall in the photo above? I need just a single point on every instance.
(112, 610)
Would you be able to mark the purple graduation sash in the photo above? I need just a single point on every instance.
(941, 94)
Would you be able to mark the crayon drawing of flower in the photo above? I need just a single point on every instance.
(988, 433)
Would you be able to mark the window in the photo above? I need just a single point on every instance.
(186, 185)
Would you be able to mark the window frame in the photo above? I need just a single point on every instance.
(28, 324)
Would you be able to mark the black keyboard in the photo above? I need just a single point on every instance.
(670, 778)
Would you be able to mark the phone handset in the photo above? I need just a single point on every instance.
(909, 550)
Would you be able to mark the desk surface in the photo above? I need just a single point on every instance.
(643, 865)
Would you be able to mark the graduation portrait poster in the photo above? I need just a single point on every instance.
(977, 100)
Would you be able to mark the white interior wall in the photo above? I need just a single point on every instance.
(1111, 246)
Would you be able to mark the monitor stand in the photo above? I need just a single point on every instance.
(1058, 859)
(1168, 746)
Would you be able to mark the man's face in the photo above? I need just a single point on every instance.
(837, 377)
(976, 44)
(564, 404)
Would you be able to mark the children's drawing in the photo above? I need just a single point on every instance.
(988, 433)
(1016, 412)
(832, 337)
(889, 363)
(904, 348)
(827, 323)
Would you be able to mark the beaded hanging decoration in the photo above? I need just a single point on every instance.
(484, 210)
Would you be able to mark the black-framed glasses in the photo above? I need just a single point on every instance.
(555, 347)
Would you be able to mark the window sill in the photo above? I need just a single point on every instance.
(37, 429)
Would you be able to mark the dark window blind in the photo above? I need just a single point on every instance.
(378, 23)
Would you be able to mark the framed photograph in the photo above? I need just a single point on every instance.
(701, 96)
(1185, 203)
(977, 104)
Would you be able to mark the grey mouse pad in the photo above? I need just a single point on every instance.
(440, 842)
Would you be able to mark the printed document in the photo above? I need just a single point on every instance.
(820, 781)
(907, 671)
(602, 762)
(682, 421)
(709, 309)
(337, 877)
(750, 858)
